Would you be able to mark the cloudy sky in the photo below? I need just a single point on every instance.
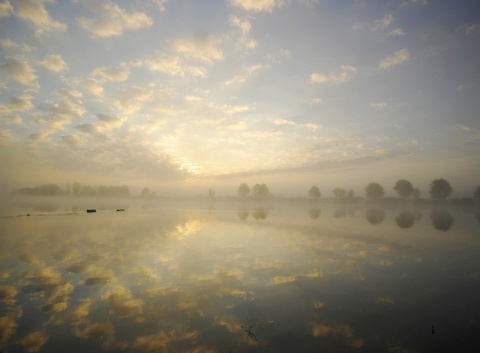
(185, 95)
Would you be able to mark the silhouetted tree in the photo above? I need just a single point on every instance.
(243, 190)
(76, 188)
(476, 194)
(351, 195)
(260, 191)
(339, 193)
(375, 216)
(374, 191)
(416, 194)
(314, 193)
(440, 189)
(405, 219)
(404, 188)
(211, 193)
(146, 194)
(442, 220)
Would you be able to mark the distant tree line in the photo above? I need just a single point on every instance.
(440, 189)
(75, 189)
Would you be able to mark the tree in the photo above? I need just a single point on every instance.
(416, 193)
(440, 189)
(351, 195)
(314, 193)
(340, 194)
(243, 190)
(260, 191)
(476, 194)
(211, 193)
(374, 191)
(404, 188)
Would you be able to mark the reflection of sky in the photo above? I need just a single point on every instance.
(158, 281)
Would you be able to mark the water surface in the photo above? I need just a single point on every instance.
(172, 277)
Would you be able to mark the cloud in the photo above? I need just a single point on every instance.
(69, 107)
(257, 5)
(203, 47)
(116, 74)
(469, 29)
(396, 32)
(133, 98)
(466, 128)
(20, 71)
(91, 85)
(317, 101)
(382, 23)
(54, 62)
(379, 105)
(341, 77)
(245, 26)
(399, 57)
(171, 65)
(309, 126)
(6, 9)
(233, 109)
(406, 3)
(17, 104)
(248, 72)
(108, 122)
(113, 20)
(34, 11)
(7, 43)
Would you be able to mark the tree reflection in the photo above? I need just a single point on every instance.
(314, 212)
(375, 215)
(405, 219)
(243, 213)
(442, 220)
(260, 213)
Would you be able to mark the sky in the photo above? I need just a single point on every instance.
(185, 95)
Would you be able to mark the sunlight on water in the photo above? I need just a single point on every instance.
(239, 278)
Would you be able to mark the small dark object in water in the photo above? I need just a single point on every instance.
(91, 210)
(120, 209)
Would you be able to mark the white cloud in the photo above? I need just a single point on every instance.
(116, 74)
(91, 85)
(34, 11)
(248, 72)
(317, 101)
(341, 77)
(378, 105)
(132, 99)
(245, 26)
(109, 122)
(113, 20)
(285, 53)
(466, 128)
(6, 137)
(396, 32)
(69, 107)
(469, 29)
(382, 23)
(406, 3)
(310, 126)
(233, 109)
(54, 62)
(20, 71)
(6, 9)
(7, 44)
(172, 66)
(17, 104)
(203, 47)
(257, 5)
(397, 58)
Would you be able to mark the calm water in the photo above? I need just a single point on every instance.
(240, 278)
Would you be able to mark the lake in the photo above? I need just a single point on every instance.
(239, 277)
